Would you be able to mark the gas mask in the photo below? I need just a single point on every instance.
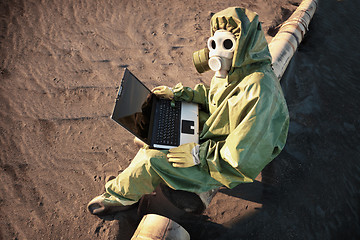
(218, 55)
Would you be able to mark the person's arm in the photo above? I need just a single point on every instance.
(180, 93)
(258, 125)
(197, 95)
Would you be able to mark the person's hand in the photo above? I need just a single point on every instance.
(186, 155)
(163, 92)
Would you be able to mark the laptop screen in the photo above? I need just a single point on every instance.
(133, 106)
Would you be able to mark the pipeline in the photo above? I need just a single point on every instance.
(291, 33)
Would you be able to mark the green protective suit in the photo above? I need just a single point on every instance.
(244, 122)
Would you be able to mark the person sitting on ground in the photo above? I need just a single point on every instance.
(244, 121)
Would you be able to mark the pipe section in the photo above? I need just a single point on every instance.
(156, 227)
(291, 33)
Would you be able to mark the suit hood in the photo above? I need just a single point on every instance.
(252, 47)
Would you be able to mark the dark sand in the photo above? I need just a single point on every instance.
(60, 66)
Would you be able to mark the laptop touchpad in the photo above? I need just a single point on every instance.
(187, 127)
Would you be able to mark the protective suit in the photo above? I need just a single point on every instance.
(244, 122)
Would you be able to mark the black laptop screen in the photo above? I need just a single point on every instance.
(133, 106)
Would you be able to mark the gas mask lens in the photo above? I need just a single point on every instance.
(228, 44)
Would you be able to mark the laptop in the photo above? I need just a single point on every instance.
(157, 122)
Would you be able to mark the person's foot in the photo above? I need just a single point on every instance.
(101, 205)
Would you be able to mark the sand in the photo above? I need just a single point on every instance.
(61, 63)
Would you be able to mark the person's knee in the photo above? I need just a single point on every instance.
(158, 161)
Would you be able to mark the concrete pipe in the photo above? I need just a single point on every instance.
(156, 227)
(290, 35)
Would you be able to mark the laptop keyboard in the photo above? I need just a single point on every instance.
(168, 123)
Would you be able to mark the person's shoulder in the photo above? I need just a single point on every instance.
(258, 78)
(260, 84)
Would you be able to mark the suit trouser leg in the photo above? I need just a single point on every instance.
(148, 169)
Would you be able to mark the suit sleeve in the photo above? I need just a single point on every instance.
(258, 123)
(197, 95)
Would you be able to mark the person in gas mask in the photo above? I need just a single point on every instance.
(244, 120)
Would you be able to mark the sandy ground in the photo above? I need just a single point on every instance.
(61, 63)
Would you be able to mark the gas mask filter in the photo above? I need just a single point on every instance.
(218, 56)
(201, 59)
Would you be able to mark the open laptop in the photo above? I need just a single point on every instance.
(154, 120)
